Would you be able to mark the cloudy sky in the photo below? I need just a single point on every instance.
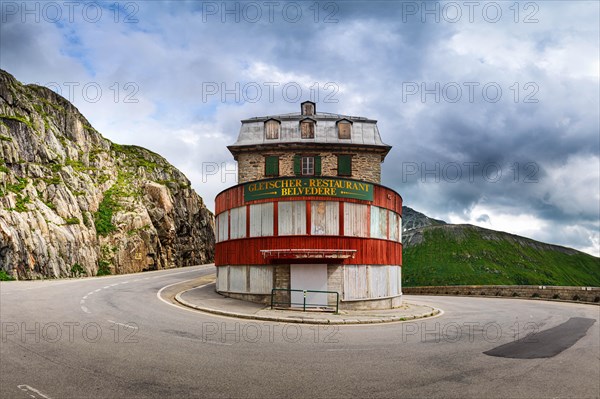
(492, 107)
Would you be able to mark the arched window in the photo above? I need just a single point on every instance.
(344, 129)
(272, 127)
(307, 128)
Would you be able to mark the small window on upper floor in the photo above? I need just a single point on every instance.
(307, 129)
(272, 128)
(305, 165)
(271, 166)
(344, 165)
(344, 129)
(308, 108)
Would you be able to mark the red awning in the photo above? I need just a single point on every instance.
(308, 253)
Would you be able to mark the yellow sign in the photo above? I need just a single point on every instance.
(308, 186)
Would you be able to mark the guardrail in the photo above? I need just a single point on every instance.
(304, 304)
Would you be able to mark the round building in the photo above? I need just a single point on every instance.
(309, 221)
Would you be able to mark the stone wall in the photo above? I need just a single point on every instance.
(583, 294)
(365, 166)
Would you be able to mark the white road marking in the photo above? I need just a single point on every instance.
(172, 304)
(216, 343)
(85, 297)
(108, 286)
(98, 290)
(34, 393)
(124, 325)
(85, 309)
(82, 301)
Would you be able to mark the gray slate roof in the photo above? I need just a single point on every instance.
(364, 130)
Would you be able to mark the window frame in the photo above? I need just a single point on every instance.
(310, 158)
(266, 171)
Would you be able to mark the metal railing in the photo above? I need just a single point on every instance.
(304, 304)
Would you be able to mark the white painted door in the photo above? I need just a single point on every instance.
(308, 277)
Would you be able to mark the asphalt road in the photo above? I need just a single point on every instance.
(112, 337)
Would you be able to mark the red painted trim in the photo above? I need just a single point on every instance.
(308, 217)
(276, 218)
(370, 251)
(247, 220)
(382, 197)
(341, 218)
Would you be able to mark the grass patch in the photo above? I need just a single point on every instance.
(72, 221)
(103, 268)
(4, 276)
(5, 138)
(464, 257)
(18, 118)
(103, 217)
(77, 270)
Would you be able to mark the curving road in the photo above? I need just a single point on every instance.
(113, 337)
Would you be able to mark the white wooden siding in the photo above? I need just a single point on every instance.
(355, 220)
(378, 281)
(261, 220)
(222, 226)
(222, 278)
(325, 218)
(355, 282)
(261, 279)
(371, 282)
(237, 277)
(394, 229)
(238, 222)
(292, 218)
(378, 222)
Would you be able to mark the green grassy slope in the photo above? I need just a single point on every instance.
(470, 255)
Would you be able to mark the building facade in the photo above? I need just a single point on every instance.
(309, 213)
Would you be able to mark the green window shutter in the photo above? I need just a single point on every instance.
(317, 166)
(272, 166)
(297, 165)
(344, 165)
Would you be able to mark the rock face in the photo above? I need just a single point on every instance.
(412, 219)
(72, 202)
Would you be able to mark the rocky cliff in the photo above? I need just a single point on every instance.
(412, 219)
(74, 203)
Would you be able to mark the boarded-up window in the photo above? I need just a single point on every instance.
(272, 129)
(222, 272)
(325, 218)
(237, 278)
(272, 166)
(261, 220)
(308, 109)
(223, 226)
(344, 165)
(344, 130)
(307, 129)
(394, 226)
(355, 220)
(362, 281)
(355, 282)
(292, 218)
(261, 279)
(238, 222)
(378, 222)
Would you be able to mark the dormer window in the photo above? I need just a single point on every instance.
(307, 128)
(272, 127)
(344, 127)
(308, 108)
